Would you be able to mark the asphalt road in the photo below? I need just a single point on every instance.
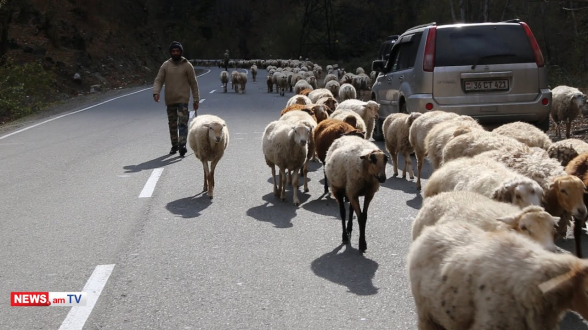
(69, 202)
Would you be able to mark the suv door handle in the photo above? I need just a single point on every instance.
(401, 77)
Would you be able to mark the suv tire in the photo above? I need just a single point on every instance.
(378, 134)
(543, 125)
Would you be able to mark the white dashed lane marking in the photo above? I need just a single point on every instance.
(150, 185)
(202, 100)
(212, 91)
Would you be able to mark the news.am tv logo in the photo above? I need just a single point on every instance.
(31, 299)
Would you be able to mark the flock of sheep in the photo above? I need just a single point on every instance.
(483, 253)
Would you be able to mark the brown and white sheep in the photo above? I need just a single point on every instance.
(367, 110)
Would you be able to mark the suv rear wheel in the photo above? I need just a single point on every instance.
(378, 134)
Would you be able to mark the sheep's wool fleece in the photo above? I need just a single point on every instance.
(198, 138)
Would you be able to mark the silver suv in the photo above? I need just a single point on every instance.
(494, 72)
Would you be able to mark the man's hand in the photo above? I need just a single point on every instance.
(196, 105)
(156, 97)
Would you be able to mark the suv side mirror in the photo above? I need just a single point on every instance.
(378, 65)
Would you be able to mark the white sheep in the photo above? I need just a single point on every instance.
(567, 105)
(242, 80)
(285, 145)
(224, 78)
(462, 277)
(235, 81)
(299, 99)
(297, 118)
(566, 150)
(281, 83)
(487, 177)
(354, 167)
(318, 93)
(441, 133)
(469, 142)
(301, 85)
(311, 79)
(367, 110)
(346, 92)
(525, 133)
(333, 86)
(359, 70)
(253, 71)
(419, 130)
(395, 129)
(208, 137)
(342, 114)
(330, 77)
(487, 214)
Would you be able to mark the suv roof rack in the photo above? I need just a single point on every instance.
(421, 26)
(515, 20)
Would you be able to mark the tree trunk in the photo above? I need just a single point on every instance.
(544, 25)
(452, 11)
(574, 18)
(5, 20)
(504, 10)
(462, 10)
(486, 10)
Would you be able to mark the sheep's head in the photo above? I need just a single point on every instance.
(375, 161)
(412, 117)
(519, 192)
(329, 102)
(355, 132)
(572, 284)
(534, 223)
(570, 195)
(372, 108)
(579, 99)
(320, 112)
(300, 100)
(351, 120)
(215, 131)
(301, 134)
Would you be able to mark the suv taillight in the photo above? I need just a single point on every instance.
(429, 58)
(536, 50)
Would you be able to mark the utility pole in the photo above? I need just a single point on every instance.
(318, 29)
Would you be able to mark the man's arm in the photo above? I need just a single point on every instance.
(194, 85)
(159, 81)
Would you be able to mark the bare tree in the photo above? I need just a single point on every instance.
(462, 10)
(504, 10)
(486, 10)
(574, 18)
(452, 11)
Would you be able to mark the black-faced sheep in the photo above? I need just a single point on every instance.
(367, 110)
(419, 130)
(208, 137)
(285, 145)
(395, 128)
(566, 150)
(567, 105)
(462, 277)
(487, 177)
(487, 214)
(525, 133)
(328, 131)
(355, 167)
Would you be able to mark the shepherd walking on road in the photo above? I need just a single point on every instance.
(178, 76)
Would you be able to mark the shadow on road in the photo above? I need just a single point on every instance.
(279, 213)
(153, 164)
(189, 207)
(324, 205)
(349, 268)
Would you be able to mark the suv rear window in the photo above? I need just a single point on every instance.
(482, 44)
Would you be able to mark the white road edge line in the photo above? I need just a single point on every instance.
(151, 182)
(81, 110)
(212, 91)
(78, 315)
(201, 100)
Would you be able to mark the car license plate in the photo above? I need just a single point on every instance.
(486, 85)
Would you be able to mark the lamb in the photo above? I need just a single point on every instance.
(469, 142)
(242, 80)
(395, 129)
(487, 177)
(342, 114)
(441, 133)
(566, 150)
(301, 85)
(319, 93)
(355, 167)
(567, 105)
(285, 145)
(235, 80)
(224, 78)
(525, 133)
(299, 99)
(486, 214)
(367, 110)
(208, 137)
(346, 92)
(419, 130)
(301, 117)
(253, 71)
(270, 84)
(465, 278)
(333, 86)
(327, 131)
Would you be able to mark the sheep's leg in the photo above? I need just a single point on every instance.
(282, 184)
(408, 162)
(394, 156)
(568, 126)
(350, 222)
(289, 177)
(354, 201)
(276, 193)
(578, 226)
(326, 184)
(557, 132)
(211, 178)
(206, 171)
(362, 219)
(420, 161)
(339, 196)
(306, 176)
(295, 189)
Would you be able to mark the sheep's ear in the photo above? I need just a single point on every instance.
(510, 220)
(366, 154)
